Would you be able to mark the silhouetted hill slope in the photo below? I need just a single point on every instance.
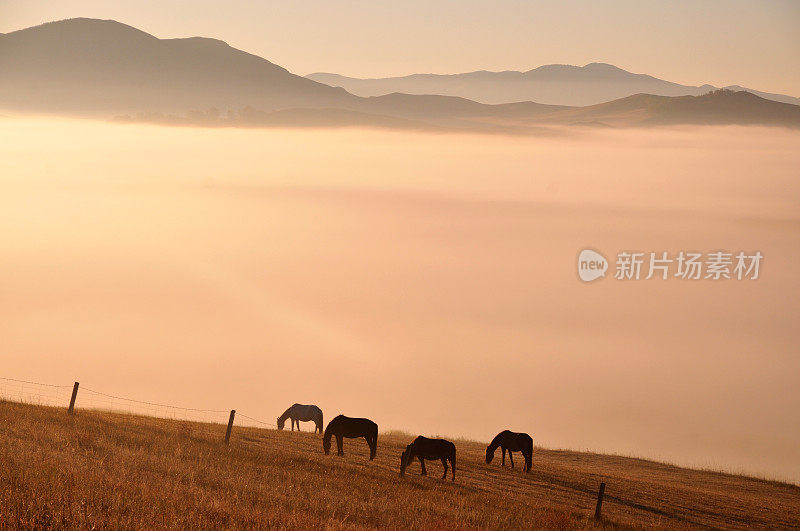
(100, 470)
(720, 107)
(555, 84)
(725, 106)
(450, 110)
(101, 66)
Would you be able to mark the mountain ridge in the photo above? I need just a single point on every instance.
(104, 68)
(580, 85)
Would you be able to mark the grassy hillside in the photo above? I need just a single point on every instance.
(114, 470)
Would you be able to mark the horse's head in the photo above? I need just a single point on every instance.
(404, 459)
(326, 445)
(489, 454)
(281, 422)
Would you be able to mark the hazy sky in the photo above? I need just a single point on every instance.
(755, 44)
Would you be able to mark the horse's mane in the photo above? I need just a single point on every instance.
(285, 414)
(495, 442)
(327, 436)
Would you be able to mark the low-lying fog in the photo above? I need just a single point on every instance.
(426, 281)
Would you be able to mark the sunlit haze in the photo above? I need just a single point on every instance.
(432, 274)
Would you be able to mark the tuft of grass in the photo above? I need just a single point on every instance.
(101, 469)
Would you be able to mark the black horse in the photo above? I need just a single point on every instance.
(510, 441)
(351, 428)
(423, 448)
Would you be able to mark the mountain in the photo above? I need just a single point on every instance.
(103, 68)
(553, 84)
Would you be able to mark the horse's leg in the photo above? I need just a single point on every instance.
(453, 466)
(422, 464)
(444, 464)
(511, 458)
(503, 448)
(339, 445)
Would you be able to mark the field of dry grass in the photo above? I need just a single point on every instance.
(100, 469)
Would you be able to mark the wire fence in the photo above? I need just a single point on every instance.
(46, 394)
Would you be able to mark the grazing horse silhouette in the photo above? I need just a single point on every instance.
(351, 428)
(423, 448)
(510, 441)
(301, 412)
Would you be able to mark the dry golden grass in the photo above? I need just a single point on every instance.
(99, 469)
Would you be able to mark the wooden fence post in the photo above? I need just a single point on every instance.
(74, 396)
(599, 501)
(230, 426)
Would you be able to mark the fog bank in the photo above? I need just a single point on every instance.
(424, 280)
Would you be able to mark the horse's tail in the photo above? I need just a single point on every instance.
(453, 462)
(373, 447)
(320, 423)
(529, 456)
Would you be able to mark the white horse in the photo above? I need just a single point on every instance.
(301, 412)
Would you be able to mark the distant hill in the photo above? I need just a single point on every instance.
(102, 68)
(554, 84)
(720, 107)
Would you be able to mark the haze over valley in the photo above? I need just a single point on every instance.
(199, 266)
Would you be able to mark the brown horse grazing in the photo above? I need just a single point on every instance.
(510, 441)
(299, 412)
(423, 448)
(351, 428)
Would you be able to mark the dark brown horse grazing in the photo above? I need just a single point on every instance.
(351, 428)
(423, 448)
(510, 441)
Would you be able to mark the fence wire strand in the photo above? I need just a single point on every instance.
(21, 391)
(154, 403)
(32, 383)
(270, 424)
